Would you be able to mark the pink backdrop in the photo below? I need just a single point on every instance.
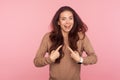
(24, 22)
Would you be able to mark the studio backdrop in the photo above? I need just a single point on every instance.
(24, 22)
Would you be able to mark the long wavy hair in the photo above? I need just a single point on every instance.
(56, 35)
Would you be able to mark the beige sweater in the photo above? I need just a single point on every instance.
(67, 69)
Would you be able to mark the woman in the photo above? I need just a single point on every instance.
(65, 45)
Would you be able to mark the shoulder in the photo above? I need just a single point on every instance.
(46, 36)
(81, 35)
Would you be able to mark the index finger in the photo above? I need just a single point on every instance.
(58, 47)
(70, 49)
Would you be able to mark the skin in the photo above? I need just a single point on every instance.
(66, 22)
(55, 54)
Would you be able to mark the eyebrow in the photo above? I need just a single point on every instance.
(65, 17)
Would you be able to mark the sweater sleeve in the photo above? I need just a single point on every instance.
(91, 57)
(40, 59)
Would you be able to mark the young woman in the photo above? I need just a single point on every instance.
(65, 45)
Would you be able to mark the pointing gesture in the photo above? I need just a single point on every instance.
(74, 54)
(58, 48)
(70, 50)
(55, 54)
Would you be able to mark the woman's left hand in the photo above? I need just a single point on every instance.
(74, 54)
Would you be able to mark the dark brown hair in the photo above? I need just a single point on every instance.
(56, 35)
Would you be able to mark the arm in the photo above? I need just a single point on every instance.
(91, 56)
(40, 59)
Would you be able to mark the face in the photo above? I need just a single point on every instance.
(66, 21)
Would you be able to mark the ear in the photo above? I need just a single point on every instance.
(58, 23)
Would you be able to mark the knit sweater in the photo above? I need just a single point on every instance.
(67, 69)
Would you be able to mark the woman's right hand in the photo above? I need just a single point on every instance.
(55, 54)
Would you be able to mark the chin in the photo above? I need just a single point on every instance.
(67, 31)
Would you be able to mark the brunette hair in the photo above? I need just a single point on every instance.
(56, 35)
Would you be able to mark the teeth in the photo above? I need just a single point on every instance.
(67, 26)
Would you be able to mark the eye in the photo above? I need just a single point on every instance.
(71, 18)
(63, 19)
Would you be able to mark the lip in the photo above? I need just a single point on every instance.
(67, 26)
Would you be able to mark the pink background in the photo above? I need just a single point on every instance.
(24, 22)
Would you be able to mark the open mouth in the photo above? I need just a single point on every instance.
(67, 27)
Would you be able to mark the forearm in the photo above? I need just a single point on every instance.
(39, 62)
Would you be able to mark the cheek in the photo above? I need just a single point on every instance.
(62, 22)
(72, 21)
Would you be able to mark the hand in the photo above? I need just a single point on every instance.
(74, 54)
(55, 54)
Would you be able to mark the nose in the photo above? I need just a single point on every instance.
(67, 21)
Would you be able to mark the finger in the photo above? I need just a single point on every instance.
(58, 48)
(70, 49)
(52, 51)
(76, 52)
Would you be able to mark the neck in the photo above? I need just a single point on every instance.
(65, 34)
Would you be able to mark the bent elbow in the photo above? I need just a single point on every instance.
(36, 63)
(95, 60)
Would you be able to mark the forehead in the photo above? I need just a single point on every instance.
(66, 13)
